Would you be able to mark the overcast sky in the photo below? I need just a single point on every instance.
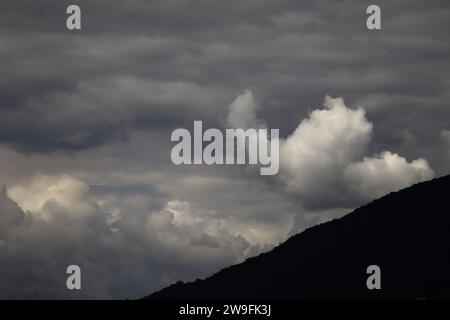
(86, 118)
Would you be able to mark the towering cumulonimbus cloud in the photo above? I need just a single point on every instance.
(324, 161)
(321, 146)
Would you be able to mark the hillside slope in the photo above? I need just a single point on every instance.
(406, 233)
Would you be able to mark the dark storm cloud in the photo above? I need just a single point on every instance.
(289, 54)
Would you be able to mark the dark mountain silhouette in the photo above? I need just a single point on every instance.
(406, 233)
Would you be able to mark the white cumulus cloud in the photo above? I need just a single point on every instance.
(242, 112)
(324, 160)
(321, 146)
(374, 176)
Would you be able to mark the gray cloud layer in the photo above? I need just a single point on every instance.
(86, 117)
